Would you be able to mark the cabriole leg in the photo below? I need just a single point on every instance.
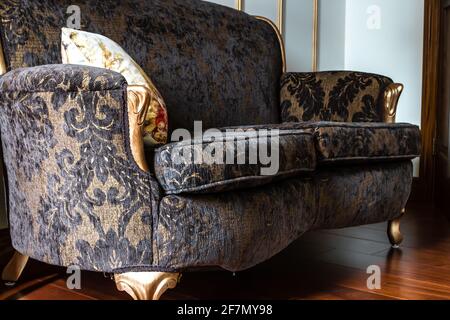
(394, 233)
(13, 270)
(146, 285)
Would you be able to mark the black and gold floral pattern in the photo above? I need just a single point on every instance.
(363, 142)
(204, 58)
(339, 96)
(76, 195)
(295, 149)
(302, 147)
(81, 199)
(237, 230)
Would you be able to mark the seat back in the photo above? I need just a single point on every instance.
(210, 62)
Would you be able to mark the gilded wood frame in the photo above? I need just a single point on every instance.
(2, 60)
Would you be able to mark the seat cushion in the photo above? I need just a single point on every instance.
(302, 147)
(365, 142)
(181, 174)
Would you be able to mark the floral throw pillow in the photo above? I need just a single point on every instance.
(90, 49)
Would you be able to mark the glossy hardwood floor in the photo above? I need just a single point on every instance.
(328, 265)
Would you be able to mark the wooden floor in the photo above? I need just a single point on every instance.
(321, 265)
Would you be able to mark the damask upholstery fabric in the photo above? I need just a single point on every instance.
(339, 96)
(64, 135)
(294, 148)
(363, 142)
(94, 50)
(237, 230)
(76, 195)
(303, 147)
(209, 62)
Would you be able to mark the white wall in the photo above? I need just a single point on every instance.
(265, 8)
(331, 35)
(228, 3)
(298, 21)
(298, 34)
(395, 49)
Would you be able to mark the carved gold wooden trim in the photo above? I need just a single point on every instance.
(394, 233)
(14, 269)
(139, 100)
(390, 102)
(280, 39)
(146, 285)
(3, 69)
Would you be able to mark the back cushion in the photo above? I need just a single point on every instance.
(211, 63)
(338, 96)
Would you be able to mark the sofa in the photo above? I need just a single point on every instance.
(84, 191)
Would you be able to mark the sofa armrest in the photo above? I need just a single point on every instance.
(73, 176)
(342, 96)
(65, 82)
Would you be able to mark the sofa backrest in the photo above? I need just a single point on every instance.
(210, 62)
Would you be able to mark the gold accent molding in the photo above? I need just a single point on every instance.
(394, 233)
(280, 39)
(390, 102)
(239, 5)
(14, 269)
(139, 99)
(315, 36)
(280, 16)
(146, 285)
(3, 69)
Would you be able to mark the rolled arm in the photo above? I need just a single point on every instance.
(79, 191)
(341, 96)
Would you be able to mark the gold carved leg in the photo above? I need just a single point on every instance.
(11, 273)
(394, 234)
(146, 285)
